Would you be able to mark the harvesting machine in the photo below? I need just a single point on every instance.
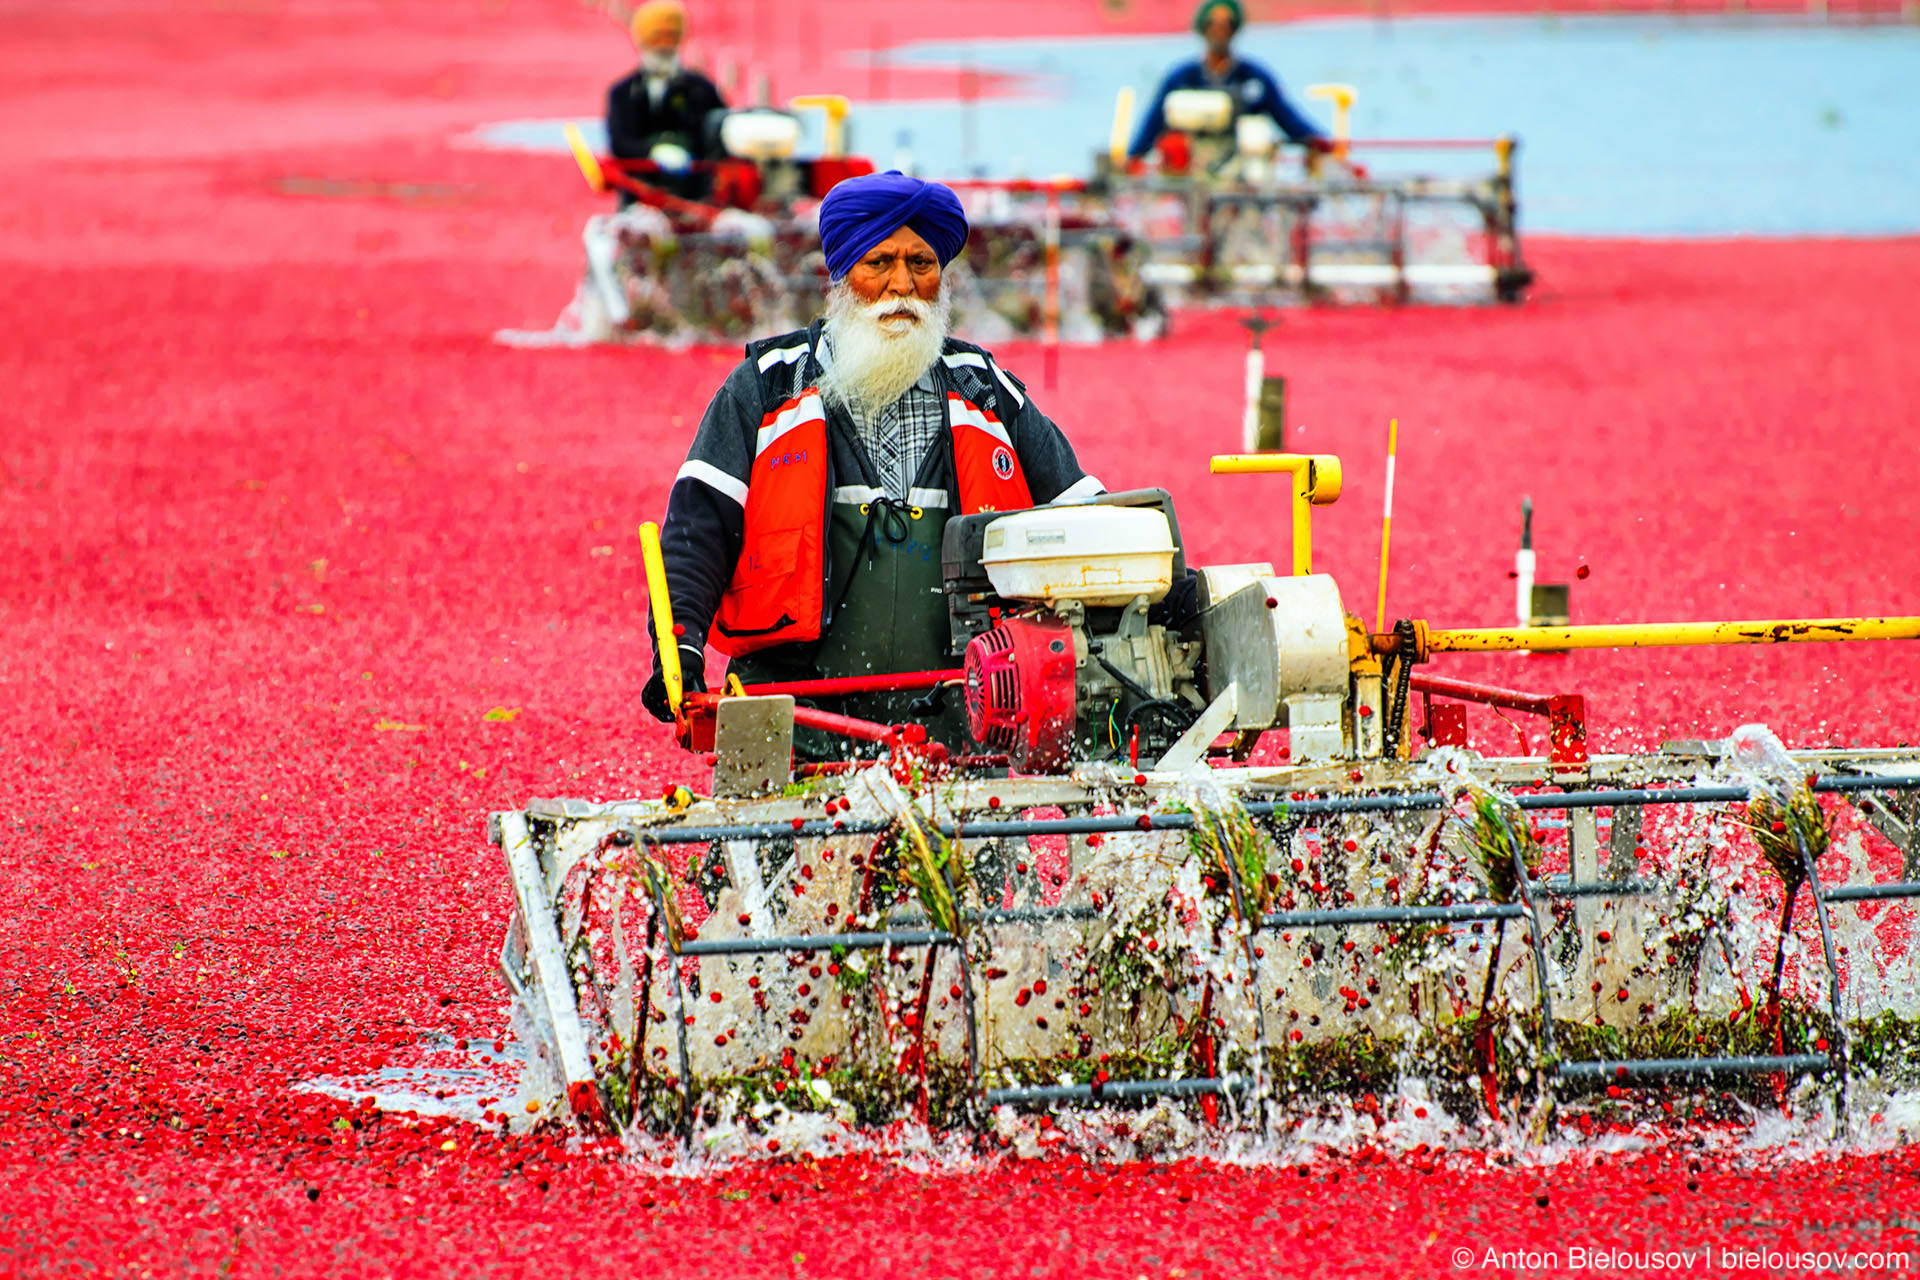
(1200, 858)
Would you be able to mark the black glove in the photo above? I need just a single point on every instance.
(693, 679)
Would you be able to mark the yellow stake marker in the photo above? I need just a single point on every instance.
(835, 108)
(663, 636)
(583, 156)
(1386, 524)
(1122, 126)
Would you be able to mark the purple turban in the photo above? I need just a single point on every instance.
(861, 212)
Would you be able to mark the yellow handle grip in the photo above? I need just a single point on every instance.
(1122, 126)
(583, 156)
(1317, 475)
(664, 640)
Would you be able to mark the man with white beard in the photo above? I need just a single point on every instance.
(803, 533)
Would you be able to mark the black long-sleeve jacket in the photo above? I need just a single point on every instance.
(702, 535)
(635, 125)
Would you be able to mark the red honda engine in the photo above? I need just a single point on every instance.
(1020, 692)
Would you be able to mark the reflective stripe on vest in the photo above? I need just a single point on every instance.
(778, 590)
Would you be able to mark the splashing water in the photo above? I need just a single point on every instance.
(1145, 956)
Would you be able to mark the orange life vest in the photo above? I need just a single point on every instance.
(778, 591)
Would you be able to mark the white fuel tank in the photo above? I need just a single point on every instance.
(1098, 555)
(762, 135)
(1199, 110)
(1255, 135)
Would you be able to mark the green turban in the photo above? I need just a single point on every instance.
(1232, 7)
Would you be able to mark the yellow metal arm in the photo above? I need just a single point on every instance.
(1342, 96)
(1316, 482)
(1653, 635)
(835, 109)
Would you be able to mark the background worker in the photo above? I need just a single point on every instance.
(663, 111)
(803, 533)
(1253, 87)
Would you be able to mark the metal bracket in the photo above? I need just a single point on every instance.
(550, 966)
(1193, 744)
(753, 745)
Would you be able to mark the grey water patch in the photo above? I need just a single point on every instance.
(544, 136)
(444, 1080)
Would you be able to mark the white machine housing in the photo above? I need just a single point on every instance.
(1282, 643)
(760, 134)
(1100, 556)
(1256, 135)
(1199, 110)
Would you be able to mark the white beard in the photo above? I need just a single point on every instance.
(876, 360)
(659, 64)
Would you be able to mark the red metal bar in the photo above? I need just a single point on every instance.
(701, 709)
(891, 682)
(1424, 144)
(1566, 715)
(1025, 185)
(850, 727)
(1490, 695)
(618, 178)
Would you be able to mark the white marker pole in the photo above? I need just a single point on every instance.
(1122, 126)
(1250, 421)
(1256, 377)
(1523, 565)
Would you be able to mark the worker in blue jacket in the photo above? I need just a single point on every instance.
(1253, 87)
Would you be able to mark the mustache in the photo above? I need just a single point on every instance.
(887, 308)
